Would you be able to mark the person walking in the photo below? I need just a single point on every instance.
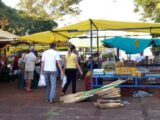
(15, 67)
(49, 69)
(71, 65)
(30, 60)
(21, 65)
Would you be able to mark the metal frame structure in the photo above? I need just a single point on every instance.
(135, 79)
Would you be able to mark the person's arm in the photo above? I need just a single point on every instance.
(59, 63)
(60, 67)
(42, 66)
(78, 66)
(19, 63)
(64, 64)
(36, 59)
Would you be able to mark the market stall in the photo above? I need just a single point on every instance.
(5, 38)
(142, 74)
(93, 27)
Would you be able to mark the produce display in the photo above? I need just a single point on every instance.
(108, 60)
(108, 65)
(127, 71)
(119, 64)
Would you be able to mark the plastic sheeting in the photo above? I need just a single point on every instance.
(129, 45)
(157, 41)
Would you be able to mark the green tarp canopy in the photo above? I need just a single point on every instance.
(130, 45)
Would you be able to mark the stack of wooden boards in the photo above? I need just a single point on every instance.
(108, 98)
(80, 96)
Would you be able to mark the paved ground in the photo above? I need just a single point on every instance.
(17, 104)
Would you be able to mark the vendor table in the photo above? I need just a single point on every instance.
(135, 79)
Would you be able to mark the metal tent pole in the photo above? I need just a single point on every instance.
(98, 60)
(91, 57)
(118, 53)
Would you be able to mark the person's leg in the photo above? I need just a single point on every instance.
(26, 80)
(47, 88)
(29, 85)
(23, 79)
(69, 77)
(26, 84)
(74, 78)
(53, 76)
(58, 74)
(20, 83)
(30, 78)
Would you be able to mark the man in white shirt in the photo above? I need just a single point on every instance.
(49, 59)
(30, 60)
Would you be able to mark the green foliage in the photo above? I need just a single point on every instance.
(20, 23)
(155, 50)
(50, 8)
(149, 8)
(31, 25)
(35, 15)
(8, 17)
(107, 56)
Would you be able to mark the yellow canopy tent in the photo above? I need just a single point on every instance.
(60, 34)
(65, 33)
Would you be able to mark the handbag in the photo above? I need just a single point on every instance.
(42, 82)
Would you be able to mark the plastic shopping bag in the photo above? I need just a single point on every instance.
(42, 81)
(64, 80)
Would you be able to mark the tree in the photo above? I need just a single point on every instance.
(29, 25)
(6, 16)
(49, 8)
(155, 50)
(35, 15)
(20, 23)
(149, 9)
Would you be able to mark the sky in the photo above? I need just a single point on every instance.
(11, 3)
(108, 9)
(119, 10)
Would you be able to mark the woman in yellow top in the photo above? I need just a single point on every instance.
(71, 65)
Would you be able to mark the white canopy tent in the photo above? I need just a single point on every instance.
(7, 35)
